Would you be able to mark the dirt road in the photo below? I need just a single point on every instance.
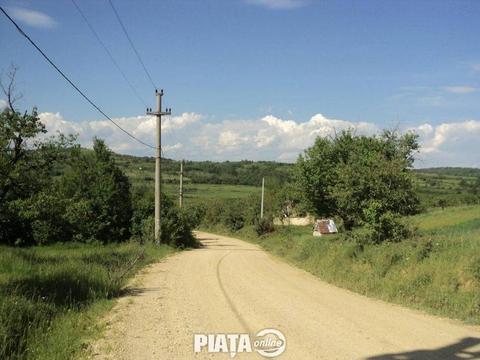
(231, 286)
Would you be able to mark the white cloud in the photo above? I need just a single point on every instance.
(3, 104)
(459, 89)
(178, 122)
(145, 125)
(270, 137)
(278, 4)
(32, 17)
(230, 139)
(142, 127)
(170, 148)
(449, 144)
(194, 136)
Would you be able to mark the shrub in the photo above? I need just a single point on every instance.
(196, 214)
(264, 226)
(390, 227)
(233, 217)
(213, 212)
(46, 214)
(101, 206)
(177, 224)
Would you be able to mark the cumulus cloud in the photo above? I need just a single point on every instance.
(449, 144)
(194, 136)
(32, 17)
(3, 104)
(142, 127)
(278, 4)
(460, 89)
(189, 135)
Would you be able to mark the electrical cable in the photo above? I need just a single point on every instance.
(71, 82)
(82, 14)
(132, 45)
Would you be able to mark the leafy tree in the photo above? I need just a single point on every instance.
(359, 178)
(27, 160)
(101, 207)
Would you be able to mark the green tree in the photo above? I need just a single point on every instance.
(101, 203)
(27, 160)
(359, 178)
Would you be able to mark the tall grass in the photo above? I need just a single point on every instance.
(437, 271)
(50, 296)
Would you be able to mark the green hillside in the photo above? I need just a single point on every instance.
(238, 179)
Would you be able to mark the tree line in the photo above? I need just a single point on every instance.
(51, 190)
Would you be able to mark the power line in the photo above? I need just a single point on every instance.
(132, 45)
(70, 82)
(109, 53)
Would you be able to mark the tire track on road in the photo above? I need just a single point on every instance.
(229, 299)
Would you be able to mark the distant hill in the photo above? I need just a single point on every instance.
(204, 179)
(452, 171)
(244, 172)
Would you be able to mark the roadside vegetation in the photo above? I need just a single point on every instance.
(52, 296)
(72, 231)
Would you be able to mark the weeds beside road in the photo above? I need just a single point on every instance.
(52, 296)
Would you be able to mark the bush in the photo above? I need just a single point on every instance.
(264, 226)
(390, 227)
(177, 224)
(213, 212)
(233, 217)
(101, 206)
(196, 214)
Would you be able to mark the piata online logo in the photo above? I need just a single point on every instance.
(267, 342)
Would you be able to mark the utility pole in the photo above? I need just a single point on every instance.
(263, 194)
(158, 154)
(181, 184)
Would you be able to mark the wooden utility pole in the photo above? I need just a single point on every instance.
(263, 194)
(181, 184)
(158, 154)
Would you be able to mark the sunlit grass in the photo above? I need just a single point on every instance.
(51, 296)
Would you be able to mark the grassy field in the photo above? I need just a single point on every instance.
(51, 297)
(438, 271)
(207, 180)
(446, 185)
(194, 193)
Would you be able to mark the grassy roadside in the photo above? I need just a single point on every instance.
(52, 296)
(438, 271)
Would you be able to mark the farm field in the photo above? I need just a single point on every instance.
(194, 193)
(207, 180)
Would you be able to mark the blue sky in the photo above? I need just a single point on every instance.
(228, 66)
